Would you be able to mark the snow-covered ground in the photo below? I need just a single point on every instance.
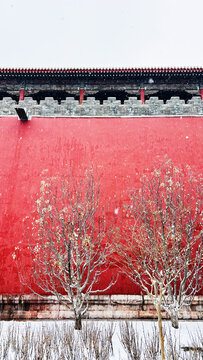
(99, 340)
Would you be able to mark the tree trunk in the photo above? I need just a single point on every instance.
(78, 322)
(161, 337)
(174, 319)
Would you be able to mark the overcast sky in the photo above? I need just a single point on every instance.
(105, 33)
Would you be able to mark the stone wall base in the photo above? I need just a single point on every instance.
(100, 307)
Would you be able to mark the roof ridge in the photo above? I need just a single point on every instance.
(124, 69)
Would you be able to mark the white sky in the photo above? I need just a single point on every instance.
(105, 33)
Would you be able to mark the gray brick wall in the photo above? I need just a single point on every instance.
(110, 107)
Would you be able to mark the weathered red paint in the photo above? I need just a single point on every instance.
(201, 93)
(81, 96)
(142, 95)
(120, 148)
(21, 96)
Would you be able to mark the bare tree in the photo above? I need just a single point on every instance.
(70, 244)
(162, 247)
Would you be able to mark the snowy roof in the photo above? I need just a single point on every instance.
(102, 71)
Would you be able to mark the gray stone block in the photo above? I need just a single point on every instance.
(48, 106)
(36, 110)
(111, 109)
(154, 110)
(68, 102)
(154, 101)
(133, 101)
(7, 111)
(196, 100)
(28, 101)
(137, 110)
(48, 100)
(175, 106)
(176, 110)
(197, 109)
(175, 100)
(105, 110)
(60, 110)
(154, 106)
(166, 109)
(100, 111)
(8, 101)
(123, 110)
(146, 109)
(7, 106)
(111, 100)
(68, 99)
(91, 100)
(80, 111)
(69, 105)
(90, 106)
(90, 110)
(187, 109)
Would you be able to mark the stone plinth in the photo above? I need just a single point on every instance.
(100, 307)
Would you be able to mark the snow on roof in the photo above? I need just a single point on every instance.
(102, 70)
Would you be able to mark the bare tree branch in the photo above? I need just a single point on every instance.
(162, 245)
(70, 244)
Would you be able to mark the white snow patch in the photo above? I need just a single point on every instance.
(182, 336)
(116, 211)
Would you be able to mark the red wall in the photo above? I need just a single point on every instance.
(121, 148)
